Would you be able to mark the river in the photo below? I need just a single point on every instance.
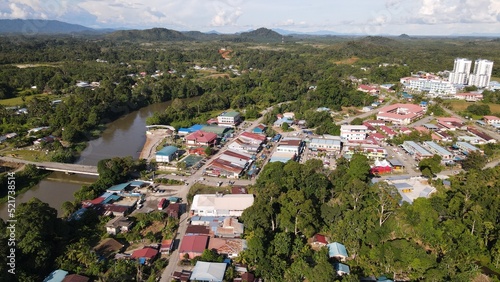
(122, 137)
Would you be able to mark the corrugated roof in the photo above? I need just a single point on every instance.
(167, 151)
(336, 249)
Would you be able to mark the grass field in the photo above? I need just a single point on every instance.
(459, 106)
(17, 101)
(29, 155)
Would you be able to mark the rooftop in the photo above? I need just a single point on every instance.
(167, 151)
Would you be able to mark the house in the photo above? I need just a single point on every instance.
(438, 150)
(451, 123)
(252, 138)
(319, 240)
(469, 97)
(166, 154)
(377, 137)
(230, 248)
(289, 115)
(400, 113)
(47, 140)
(353, 132)
(337, 250)
(208, 271)
(220, 205)
(173, 210)
(117, 210)
(481, 135)
(259, 129)
(117, 225)
(200, 151)
(241, 146)
(197, 230)
(230, 118)
(491, 120)
(166, 246)
(405, 130)
(418, 152)
(230, 228)
(56, 276)
(368, 89)
(75, 278)
(281, 121)
(230, 164)
(466, 148)
(388, 131)
(245, 277)
(201, 138)
(370, 127)
(193, 246)
(145, 255)
(342, 269)
(375, 122)
(108, 247)
(289, 145)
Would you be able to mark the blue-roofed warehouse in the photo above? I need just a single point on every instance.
(166, 154)
(118, 188)
(337, 250)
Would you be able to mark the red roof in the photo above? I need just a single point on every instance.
(166, 244)
(194, 244)
(377, 135)
(238, 190)
(147, 253)
(97, 200)
(320, 239)
(202, 136)
(75, 278)
(253, 136)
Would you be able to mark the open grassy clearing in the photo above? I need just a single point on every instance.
(17, 101)
(459, 106)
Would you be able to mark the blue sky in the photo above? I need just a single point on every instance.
(414, 17)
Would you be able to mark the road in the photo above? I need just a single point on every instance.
(480, 128)
(364, 115)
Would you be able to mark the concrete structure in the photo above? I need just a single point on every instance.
(201, 138)
(434, 87)
(338, 251)
(482, 73)
(469, 96)
(330, 145)
(400, 113)
(417, 151)
(461, 71)
(466, 148)
(353, 132)
(231, 118)
(230, 164)
(208, 271)
(166, 154)
(221, 205)
(117, 225)
(289, 145)
(491, 120)
(438, 150)
(371, 151)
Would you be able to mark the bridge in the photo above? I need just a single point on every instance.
(53, 166)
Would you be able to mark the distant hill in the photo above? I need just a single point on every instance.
(404, 36)
(262, 35)
(33, 27)
(154, 34)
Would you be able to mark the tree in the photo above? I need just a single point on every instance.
(357, 121)
(387, 198)
(208, 151)
(285, 126)
(430, 166)
(359, 167)
(474, 160)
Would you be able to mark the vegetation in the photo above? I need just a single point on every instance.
(24, 180)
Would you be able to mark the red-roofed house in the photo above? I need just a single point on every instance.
(469, 97)
(370, 127)
(319, 240)
(201, 138)
(200, 151)
(375, 122)
(75, 278)
(405, 130)
(252, 138)
(193, 246)
(435, 137)
(173, 210)
(421, 129)
(145, 255)
(368, 89)
(388, 131)
(377, 136)
(491, 120)
(450, 123)
(166, 246)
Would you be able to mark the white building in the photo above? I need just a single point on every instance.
(325, 144)
(220, 205)
(435, 87)
(229, 118)
(461, 71)
(353, 132)
(482, 73)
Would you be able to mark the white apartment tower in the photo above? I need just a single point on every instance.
(482, 73)
(461, 71)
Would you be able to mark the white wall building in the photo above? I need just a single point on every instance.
(435, 87)
(353, 132)
(220, 205)
(461, 71)
(482, 73)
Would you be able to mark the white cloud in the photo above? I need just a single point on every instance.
(457, 11)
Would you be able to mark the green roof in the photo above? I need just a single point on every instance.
(167, 151)
(230, 114)
(219, 130)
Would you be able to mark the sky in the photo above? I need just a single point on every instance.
(372, 17)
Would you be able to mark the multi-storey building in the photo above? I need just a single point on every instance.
(461, 71)
(353, 132)
(435, 86)
(482, 73)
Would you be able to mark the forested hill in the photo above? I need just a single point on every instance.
(32, 27)
(154, 34)
(262, 34)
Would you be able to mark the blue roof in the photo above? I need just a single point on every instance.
(173, 199)
(196, 127)
(56, 276)
(111, 198)
(118, 187)
(342, 267)
(384, 279)
(78, 214)
(167, 151)
(336, 249)
(137, 183)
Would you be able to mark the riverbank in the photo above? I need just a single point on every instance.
(153, 139)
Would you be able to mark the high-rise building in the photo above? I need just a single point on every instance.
(461, 71)
(482, 73)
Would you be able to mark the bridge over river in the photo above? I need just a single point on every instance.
(53, 166)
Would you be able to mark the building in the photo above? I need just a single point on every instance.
(401, 114)
(198, 230)
(330, 145)
(289, 145)
(461, 71)
(230, 248)
(353, 132)
(193, 246)
(145, 255)
(451, 123)
(337, 251)
(466, 148)
(173, 210)
(166, 154)
(469, 96)
(491, 120)
(56, 276)
(220, 131)
(220, 205)
(417, 151)
(201, 138)
(117, 225)
(259, 129)
(241, 146)
(434, 87)
(481, 75)
(252, 138)
(319, 240)
(230, 118)
(371, 151)
(438, 150)
(230, 164)
(208, 271)
(341, 269)
(166, 246)
(230, 228)
(75, 278)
